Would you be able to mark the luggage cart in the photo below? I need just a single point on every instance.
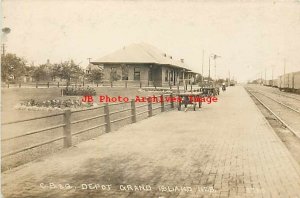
(186, 99)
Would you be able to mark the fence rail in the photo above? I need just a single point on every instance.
(66, 125)
(119, 83)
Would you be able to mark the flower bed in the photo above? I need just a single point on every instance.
(55, 104)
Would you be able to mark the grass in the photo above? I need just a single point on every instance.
(12, 97)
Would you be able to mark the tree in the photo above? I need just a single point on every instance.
(76, 71)
(114, 76)
(55, 71)
(29, 71)
(69, 70)
(95, 75)
(12, 67)
(40, 73)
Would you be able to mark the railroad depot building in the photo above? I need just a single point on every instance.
(145, 64)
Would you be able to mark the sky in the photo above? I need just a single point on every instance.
(253, 38)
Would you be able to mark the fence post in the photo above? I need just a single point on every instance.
(162, 103)
(111, 84)
(140, 84)
(107, 118)
(172, 102)
(133, 111)
(7, 84)
(57, 84)
(149, 107)
(67, 129)
(126, 84)
(19, 84)
(48, 84)
(36, 85)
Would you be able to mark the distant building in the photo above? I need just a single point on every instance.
(143, 63)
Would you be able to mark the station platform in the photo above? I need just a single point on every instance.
(225, 149)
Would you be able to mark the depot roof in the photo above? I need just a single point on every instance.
(141, 53)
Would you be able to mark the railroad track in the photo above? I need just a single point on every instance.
(285, 95)
(277, 101)
(279, 117)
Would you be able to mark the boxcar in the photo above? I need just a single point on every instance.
(289, 82)
(297, 81)
(275, 83)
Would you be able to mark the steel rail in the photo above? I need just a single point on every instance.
(278, 118)
(287, 106)
(285, 96)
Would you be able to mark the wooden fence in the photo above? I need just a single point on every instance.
(120, 83)
(50, 84)
(67, 135)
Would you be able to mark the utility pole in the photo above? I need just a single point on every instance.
(229, 78)
(208, 69)
(272, 74)
(183, 80)
(5, 31)
(284, 63)
(89, 60)
(265, 75)
(215, 70)
(202, 68)
(3, 49)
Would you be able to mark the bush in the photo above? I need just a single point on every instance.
(81, 91)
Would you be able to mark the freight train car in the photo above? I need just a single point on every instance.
(297, 81)
(275, 83)
(268, 83)
(289, 82)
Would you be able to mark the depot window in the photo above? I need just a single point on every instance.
(137, 73)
